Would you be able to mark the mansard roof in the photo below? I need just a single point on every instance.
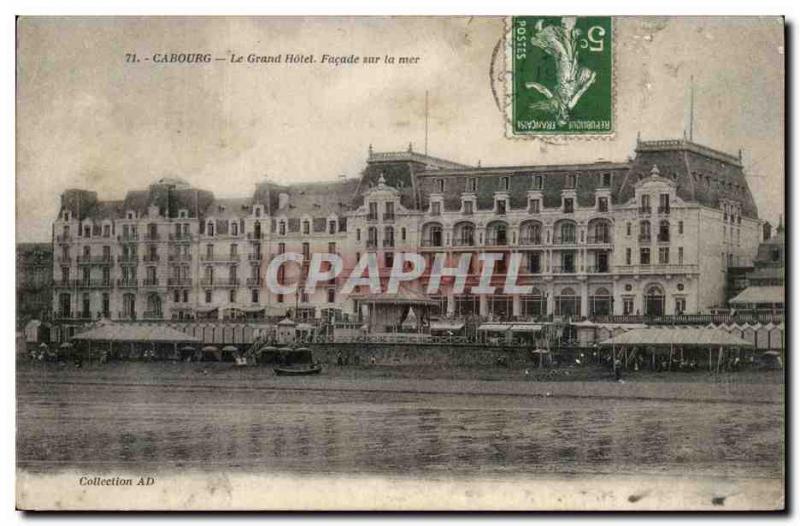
(319, 199)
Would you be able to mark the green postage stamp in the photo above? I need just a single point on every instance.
(560, 76)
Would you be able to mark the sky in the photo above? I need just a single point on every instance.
(88, 119)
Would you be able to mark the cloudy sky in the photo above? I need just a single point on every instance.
(87, 119)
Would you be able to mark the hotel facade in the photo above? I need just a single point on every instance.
(650, 236)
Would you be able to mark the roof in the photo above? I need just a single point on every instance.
(229, 208)
(135, 332)
(403, 296)
(494, 327)
(447, 325)
(771, 294)
(677, 336)
(320, 199)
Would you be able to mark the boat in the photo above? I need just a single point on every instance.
(297, 362)
(298, 370)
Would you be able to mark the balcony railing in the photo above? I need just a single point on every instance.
(663, 210)
(645, 238)
(565, 240)
(656, 268)
(66, 316)
(496, 241)
(179, 257)
(150, 283)
(220, 282)
(530, 240)
(127, 283)
(130, 236)
(64, 259)
(129, 258)
(254, 282)
(255, 235)
(372, 243)
(219, 258)
(372, 217)
(255, 256)
(126, 315)
(180, 237)
(432, 242)
(567, 269)
(388, 217)
(179, 282)
(152, 315)
(388, 243)
(663, 237)
(599, 239)
(63, 238)
(645, 210)
(101, 259)
(152, 236)
(151, 258)
(598, 269)
(464, 242)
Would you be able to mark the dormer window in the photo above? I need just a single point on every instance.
(605, 180)
(66, 216)
(570, 181)
(569, 205)
(602, 204)
(504, 183)
(440, 186)
(131, 215)
(537, 182)
(472, 185)
(257, 211)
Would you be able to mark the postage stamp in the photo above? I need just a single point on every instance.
(560, 76)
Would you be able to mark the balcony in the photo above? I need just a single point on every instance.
(464, 242)
(150, 283)
(663, 210)
(64, 259)
(599, 239)
(373, 243)
(565, 240)
(656, 269)
(221, 258)
(92, 283)
(129, 258)
(645, 210)
(104, 259)
(130, 236)
(663, 237)
(371, 218)
(254, 282)
(126, 315)
(179, 282)
(530, 240)
(435, 242)
(152, 315)
(179, 257)
(220, 282)
(152, 236)
(72, 316)
(182, 237)
(63, 238)
(388, 218)
(645, 238)
(598, 269)
(255, 235)
(388, 243)
(150, 258)
(127, 283)
(257, 256)
(495, 240)
(566, 269)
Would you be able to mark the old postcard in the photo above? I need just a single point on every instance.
(400, 263)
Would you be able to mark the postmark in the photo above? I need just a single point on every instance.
(560, 77)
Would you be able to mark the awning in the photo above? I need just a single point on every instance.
(447, 325)
(494, 327)
(304, 327)
(526, 327)
(770, 295)
(678, 336)
(135, 332)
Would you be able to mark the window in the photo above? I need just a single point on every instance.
(208, 296)
(372, 237)
(304, 296)
(627, 306)
(570, 181)
(106, 304)
(436, 208)
(504, 183)
(234, 250)
(472, 184)
(644, 231)
(628, 253)
(663, 204)
(388, 259)
(210, 229)
(644, 256)
(234, 228)
(281, 248)
(663, 255)
(331, 227)
(501, 206)
(680, 305)
(389, 215)
(569, 205)
(628, 228)
(373, 212)
(331, 295)
(467, 206)
(654, 301)
(254, 296)
(534, 263)
(306, 251)
(388, 236)
(567, 233)
(186, 296)
(176, 296)
(602, 204)
(680, 227)
(306, 227)
(663, 231)
(537, 182)
(606, 180)
(106, 230)
(535, 206)
(645, 203)
(403, 234)
(440, 186)
(680, 255)
(332, 248)
(358, 234)
(232, 296)
(280, 298)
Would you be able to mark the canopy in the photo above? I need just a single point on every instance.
(677, 336)
(230, 348)
(134, 332)
(447, 325)
(494, 327)
(526, 327)
(772, 294)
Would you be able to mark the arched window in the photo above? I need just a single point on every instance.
(599, 231)
(388, 236)
(531, 233)
(600, 302)
(654, 301)
(567, 303)
(154, 304)
(432, 235)
(497, 233)
(566, 233)
(464, 235)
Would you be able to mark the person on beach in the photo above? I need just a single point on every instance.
(617, 370)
